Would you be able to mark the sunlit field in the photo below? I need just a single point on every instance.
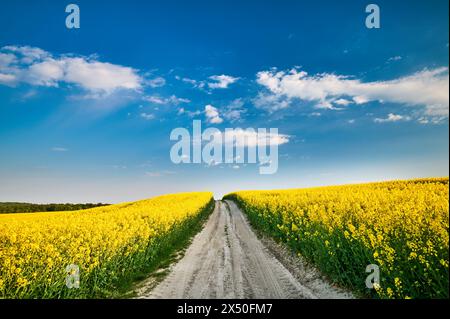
(109, 245)
(400, 226)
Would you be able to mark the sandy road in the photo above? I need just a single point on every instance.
(227, 260)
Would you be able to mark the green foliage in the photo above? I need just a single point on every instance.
(14, 207)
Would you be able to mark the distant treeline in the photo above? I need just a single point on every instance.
(13, 207)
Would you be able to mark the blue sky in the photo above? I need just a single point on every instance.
(86, 114)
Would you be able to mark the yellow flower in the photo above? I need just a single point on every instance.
(22, 282)
(390, 292)
(403, 225)
(37, 247)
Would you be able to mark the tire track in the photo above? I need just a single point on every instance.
(227, 260)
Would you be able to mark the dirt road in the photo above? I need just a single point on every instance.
(227, 260)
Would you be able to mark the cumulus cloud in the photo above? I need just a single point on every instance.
(47, 73)
(7, 59)
(392, 118)
(221, 81)
(427, 88)
(212, 115)
(7, 69)
(38, 67)
(100, 76)
(27, 54)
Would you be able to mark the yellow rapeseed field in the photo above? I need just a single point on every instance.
(401, 226)
(108, 244)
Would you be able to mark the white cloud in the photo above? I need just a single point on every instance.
(59, 149)
(395, 58)
(40, 68)
(147, 116)
(253, 138)
(271, 102)
(7, 59)
(154, 99)
(193, 113)
(8, 79)
(28, 95)
(392, 118)
(328, 105)
(233, 115)
(212, 115)
(342, 102)
(27, 54)
(182, 111)
(360, 99)
(170, 100)
(436, 110)
(233, 112)
(431, 120)
(156, 82)
(194, 83)
(214, 81)
(427, 88)
(99, 76)
(221, 81)
(47, 73)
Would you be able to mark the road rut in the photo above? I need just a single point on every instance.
(227, 260)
